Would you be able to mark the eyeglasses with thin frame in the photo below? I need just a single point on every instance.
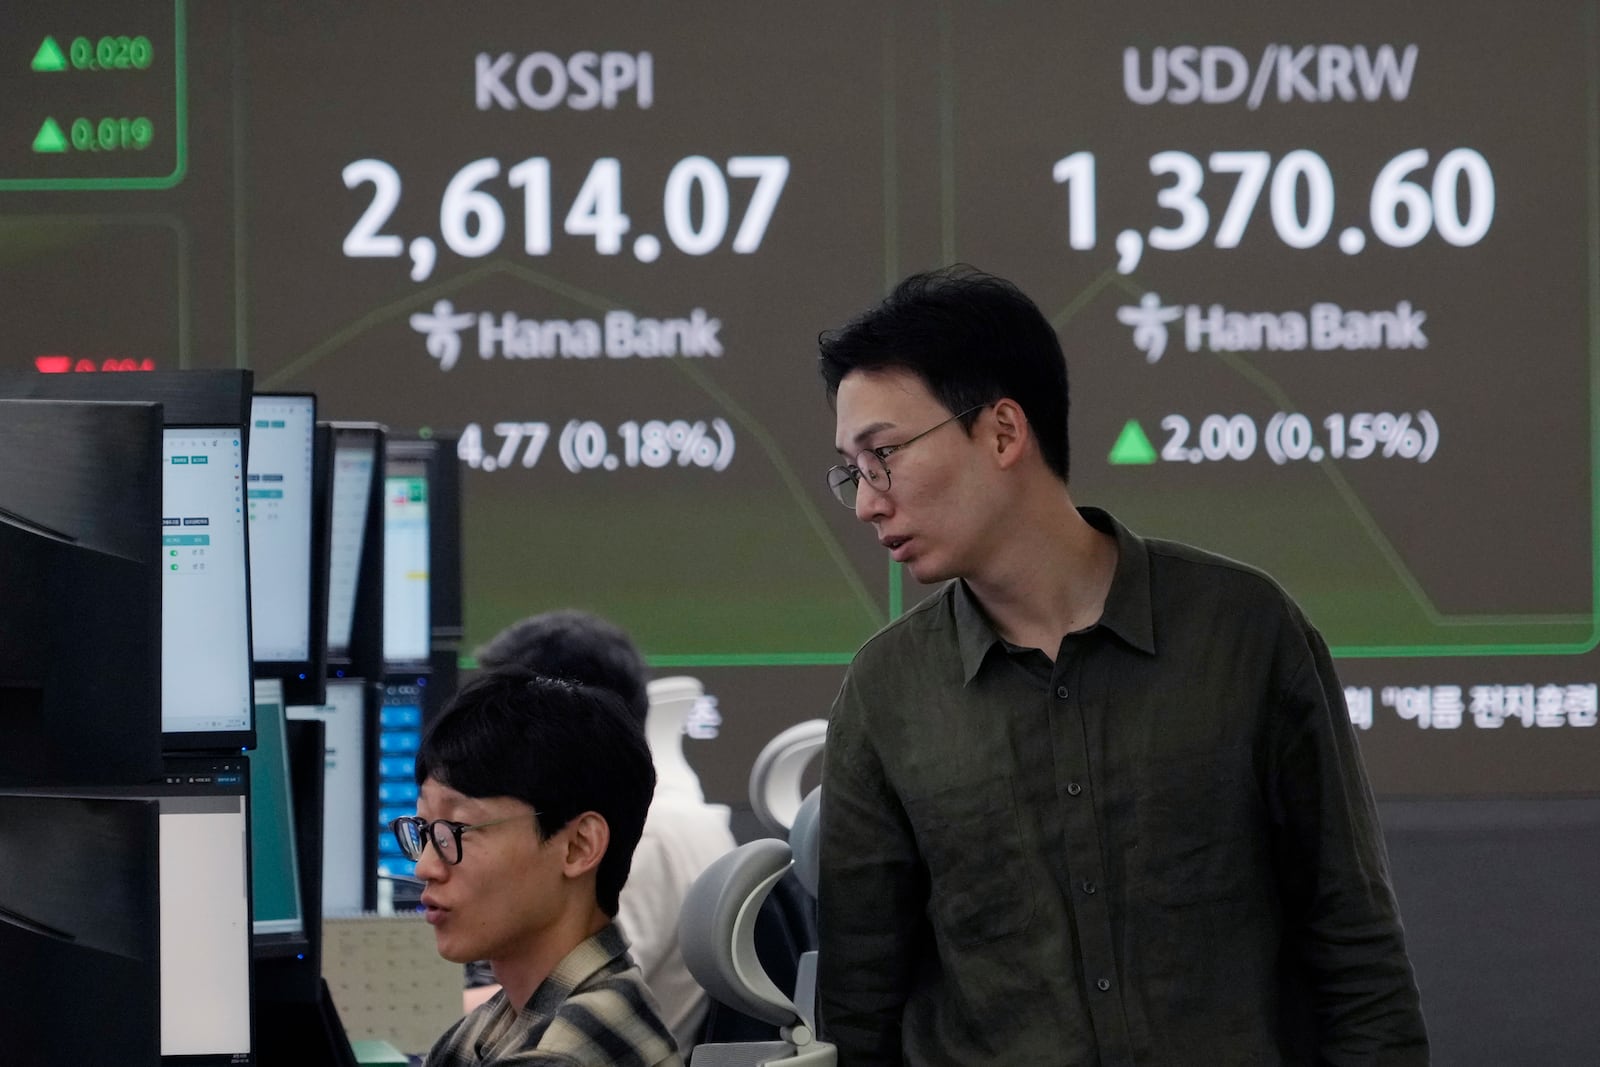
(413, 832)
(872, 464)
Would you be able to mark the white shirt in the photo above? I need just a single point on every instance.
(682, 836)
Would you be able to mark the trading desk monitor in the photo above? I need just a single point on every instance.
(205, 912)
(280, 506)
(79, 935)
(203, 924)
(80, 592)
(205, 594)
(205, 611)
(278, 923)
(354, 548)
(347, 847)
(407, 630)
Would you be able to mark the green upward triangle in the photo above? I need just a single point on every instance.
(1132, 446)
(50, 138)
(49, 56)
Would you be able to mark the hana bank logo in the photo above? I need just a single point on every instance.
(1149, 321)
(441, 331)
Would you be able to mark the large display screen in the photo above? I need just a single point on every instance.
(278, 499)
(205, 616)
(1328, 277)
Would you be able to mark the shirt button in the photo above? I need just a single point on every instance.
(1103, 984)
(1089, 887)
(1061, 692)
(1073, 789)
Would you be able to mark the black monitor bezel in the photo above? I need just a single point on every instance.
(281, 943)
(302, 679)
(195, 774)
(190, 399)
(72, 740)
(437, 453)
(363, 657)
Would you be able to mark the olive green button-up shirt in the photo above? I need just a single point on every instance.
(1159, 849)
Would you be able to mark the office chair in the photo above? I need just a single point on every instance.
(775, 775)
(717, 932)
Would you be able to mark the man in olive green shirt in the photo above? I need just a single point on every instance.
(1098, 800)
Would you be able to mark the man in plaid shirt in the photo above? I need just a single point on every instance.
(533, 795)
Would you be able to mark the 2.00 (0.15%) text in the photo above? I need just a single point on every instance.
(1286, 437)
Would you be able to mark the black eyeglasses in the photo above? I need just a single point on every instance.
(413, 832)
(871, 464)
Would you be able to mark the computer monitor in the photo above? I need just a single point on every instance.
(400, 723)
(205, 614)
(432, 459)
(286, 637)
(348, 851)
(202, 864)
(355, 553)
(279, 922)
(79, 932)
(80, 592)
(205, 912)
(205, 597)
(407, 624)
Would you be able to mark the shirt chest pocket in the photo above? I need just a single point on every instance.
(970, 837)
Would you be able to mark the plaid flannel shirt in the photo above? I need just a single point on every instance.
(593, 1009)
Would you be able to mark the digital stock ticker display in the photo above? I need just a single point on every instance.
(1326, 277)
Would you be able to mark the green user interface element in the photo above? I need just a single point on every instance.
(93, 100)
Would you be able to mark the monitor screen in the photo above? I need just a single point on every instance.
(205, 618)
(274, 867)
(399, 737)
(406, 625)
(344, 827)
(205, 926)
(354, 458)
(278, 505)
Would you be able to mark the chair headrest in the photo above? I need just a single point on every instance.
(805, 841)
(775, 775)
(717, 930)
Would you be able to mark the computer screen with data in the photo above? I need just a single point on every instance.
(406, 622)
(345, 808)
(278, 504)
(205, 614)
(354, 462)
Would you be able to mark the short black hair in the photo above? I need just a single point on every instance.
(560, 747)
(973, 339)
(578, 646)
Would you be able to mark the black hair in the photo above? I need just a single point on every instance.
(562, 748)
(972, 338)
(578, 646)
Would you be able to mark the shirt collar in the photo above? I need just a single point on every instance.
(590, 957)
(1127, 610)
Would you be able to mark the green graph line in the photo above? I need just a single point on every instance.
(947, 136)
(1374, 532)
(891, 162)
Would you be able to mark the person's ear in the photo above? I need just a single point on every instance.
(1010, 431)
(588, 836)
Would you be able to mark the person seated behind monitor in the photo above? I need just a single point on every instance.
(682, 834)
(533, 795)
